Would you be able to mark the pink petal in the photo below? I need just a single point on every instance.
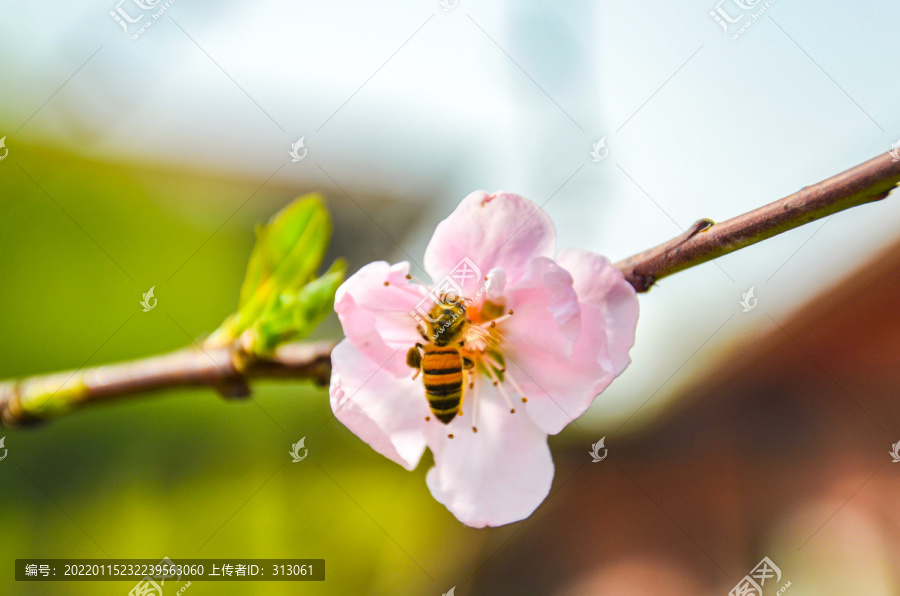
(496, 476)
(375, 317)
(554, 350)
(498, 230)
(546, 315)
(598, 282)
(385, 411)
(561, 388)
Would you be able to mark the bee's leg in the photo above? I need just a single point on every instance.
(414, 359)
(468, 363)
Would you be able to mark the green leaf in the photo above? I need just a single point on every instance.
(294, 314)
(289, 250)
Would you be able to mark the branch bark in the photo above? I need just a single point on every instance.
(228, 369)
(707, 240)
(224, 369)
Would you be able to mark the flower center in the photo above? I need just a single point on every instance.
(482, 346)
(475, 328)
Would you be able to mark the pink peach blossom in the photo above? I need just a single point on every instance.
(536, 370)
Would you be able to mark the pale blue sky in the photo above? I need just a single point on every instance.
(406, 99)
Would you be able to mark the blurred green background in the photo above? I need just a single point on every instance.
(164, 476)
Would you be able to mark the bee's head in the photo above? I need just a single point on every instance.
(447, 321)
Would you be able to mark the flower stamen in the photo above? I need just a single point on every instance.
(415, 279)
(499, 319)
(515, 385)
(502, 390)
(495, 362)
(474, 402)
(506, 375)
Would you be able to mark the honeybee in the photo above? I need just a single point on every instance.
(440, 359)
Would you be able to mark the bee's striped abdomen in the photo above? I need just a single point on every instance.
(443, 378)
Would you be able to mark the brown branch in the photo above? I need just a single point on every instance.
(228, 369)
(707, 240)
(224, 369)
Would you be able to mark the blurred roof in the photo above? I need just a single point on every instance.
(781, 451)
